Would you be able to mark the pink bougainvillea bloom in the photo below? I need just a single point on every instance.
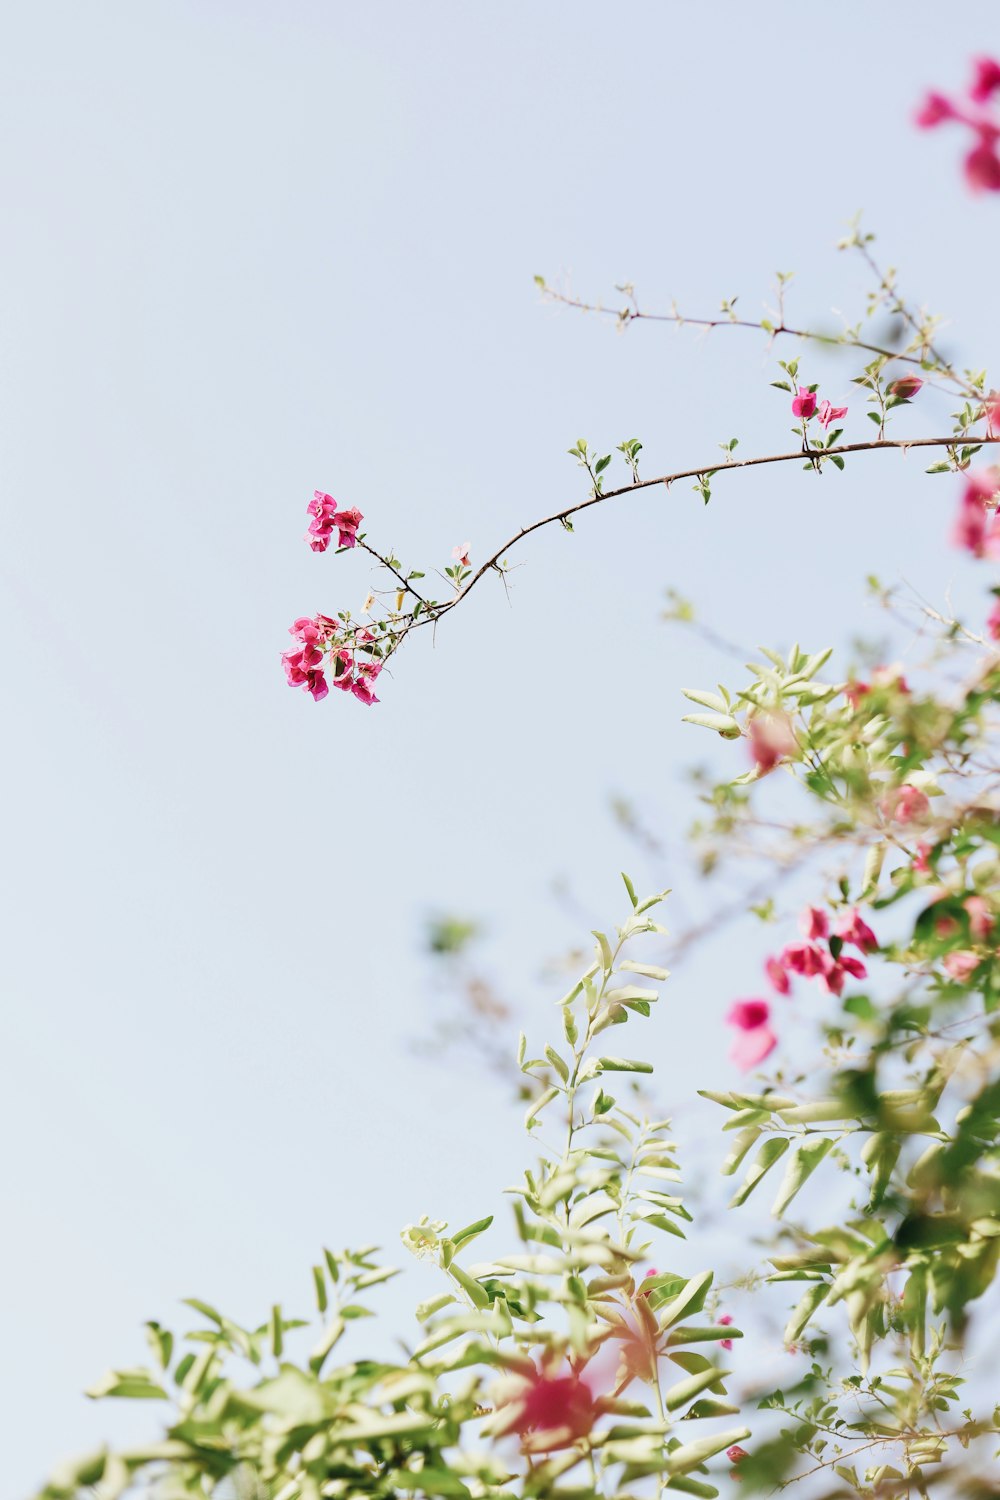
(981, 918)
(855, 691)
(993, 622)
(771, 740)
(829, 414)
(806, 959)
(992, 412)
(725, 1321)
(935, 109)
(906, 387)
(813, 923)
(755, 1040)
(982, 167)
(804, 404)
(552, 1411)
(362, 686)
(461, 554)
(962, 965)
(985, 79)
(778, 975)
(836, 971)
(906, 804)
(644, 1291)
(922, 860)
(853, 928)
(735, 1453)
(347, 523)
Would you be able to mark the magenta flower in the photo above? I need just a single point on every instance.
(976, 527)
(326, 519)
(935, 109)
(347, 523)
(836, 971)
(725, 1320)
(754, 1040)
(813, 923)
(552, 1411)
(362, 686)
(804, 404)
(922, 860)
(986, 79)
(806, 959)
(852, 928)
(777, 975)
(829, 414)
(982, 165)
(303, 669)
(906, 387)
(993, 622)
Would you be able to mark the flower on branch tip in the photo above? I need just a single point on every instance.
(754, 1040)
(326, 519)
(813, 923)
(852, 928)
(934, 109)
(461, 554)
(976, 527)
(829, 414)
(735, 1453)
(804, 404)
(778, 975)
(906, 387)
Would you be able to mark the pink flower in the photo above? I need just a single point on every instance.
(361, 687)
(326, 518)
(829, 414)
(935, 109)
(461, 554)
(854, 929)
(303, 669)
(836, 970)
(804, 958)
(725, 1320)
(906, 804)
(976, 527)
(735, 1453)
(993, 622)
(812, 923)
(776, 973)
(982, 166)
(556, 1410)
(644, 1291)
(855, 691)
(981, 918)
(804, 404)
(992, 412)
(986, 79)
(771, 739)
(906, 387)
(755, 1039)
(922, 860)
(962, 965)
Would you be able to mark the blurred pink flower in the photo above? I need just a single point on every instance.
(906, 804)
(836, 971)
(935, 109)
(771, 739)
(985, 79)
(725, 1321)
(962, 964)
(804, 958)
(981, 918)
(982, 166)
(854, 929)
(776, 973)
(754, 1040)
(906, 387)
(461, 554)
(813, 923)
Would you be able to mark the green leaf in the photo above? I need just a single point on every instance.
(799, 1169)
(331, 1334)
(471, 1231)
(771, 1151)
(804, 1309)
(623, 1065)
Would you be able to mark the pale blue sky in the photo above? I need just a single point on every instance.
(255, 248)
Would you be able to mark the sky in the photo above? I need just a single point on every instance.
(252, 249)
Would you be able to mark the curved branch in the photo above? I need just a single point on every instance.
(815, 455)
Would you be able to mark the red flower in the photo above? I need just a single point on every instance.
(804, 404)
(806, 959)
(812, 923)
(906, 387)
(854, 929)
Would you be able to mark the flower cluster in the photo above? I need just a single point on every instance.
(326, 519)
(821, 955)
(324, 642)
(976, 111)
(805, 405)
